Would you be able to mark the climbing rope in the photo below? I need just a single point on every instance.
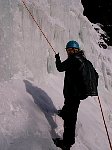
(105, 123)
(55, 53)
(38, 25)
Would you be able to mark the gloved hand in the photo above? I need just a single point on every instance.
(57, 56)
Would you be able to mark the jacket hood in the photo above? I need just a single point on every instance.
(81, 52)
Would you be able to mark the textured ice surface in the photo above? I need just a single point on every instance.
(31, 88)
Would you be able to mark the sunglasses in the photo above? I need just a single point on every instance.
(72, 49)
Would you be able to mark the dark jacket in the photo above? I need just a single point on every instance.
(74, 86)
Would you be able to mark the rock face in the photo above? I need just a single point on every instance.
(99, 11)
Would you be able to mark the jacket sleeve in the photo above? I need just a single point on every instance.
(61, 66)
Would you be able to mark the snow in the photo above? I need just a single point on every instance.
(31, 87)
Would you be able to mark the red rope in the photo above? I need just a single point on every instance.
(105, 123)
(38, 26)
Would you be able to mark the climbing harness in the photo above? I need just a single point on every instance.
(105, 123)
(55, 53)
(38, 25)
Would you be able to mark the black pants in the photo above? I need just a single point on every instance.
(70, 110)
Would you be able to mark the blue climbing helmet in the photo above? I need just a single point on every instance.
(72, 44)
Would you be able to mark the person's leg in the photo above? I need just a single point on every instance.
(59, 143)
(70, 119)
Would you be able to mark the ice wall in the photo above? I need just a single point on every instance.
(23, 47)
(25, 53)
(24, 50)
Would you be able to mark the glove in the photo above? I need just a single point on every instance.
(57, 56)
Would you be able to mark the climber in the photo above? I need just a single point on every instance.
(74, 90)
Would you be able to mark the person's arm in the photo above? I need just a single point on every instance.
(61, 66)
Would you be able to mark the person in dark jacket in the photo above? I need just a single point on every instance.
(74, 91)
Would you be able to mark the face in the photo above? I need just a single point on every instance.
(71, 51)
